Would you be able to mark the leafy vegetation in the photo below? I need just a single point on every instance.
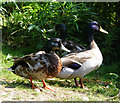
(28, 23)
(24, 28)
(25, 23)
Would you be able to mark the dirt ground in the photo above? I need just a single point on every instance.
(11, 94)
(8, 93)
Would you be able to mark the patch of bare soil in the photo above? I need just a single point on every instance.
(61, 94)
(14, 94)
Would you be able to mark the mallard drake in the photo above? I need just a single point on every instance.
(40, 65)
(79, 64)
(69, 44)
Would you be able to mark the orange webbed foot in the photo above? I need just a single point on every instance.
(45, 86)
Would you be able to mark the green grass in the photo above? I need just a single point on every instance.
(107, 88)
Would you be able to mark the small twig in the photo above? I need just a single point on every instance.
(95, 81)
(15, 31)
(114, 96)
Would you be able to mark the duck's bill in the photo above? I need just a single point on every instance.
(64, 48)
(102, 30)
(10, 69)
(50, 30)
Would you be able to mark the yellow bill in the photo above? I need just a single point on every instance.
(102, 30)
